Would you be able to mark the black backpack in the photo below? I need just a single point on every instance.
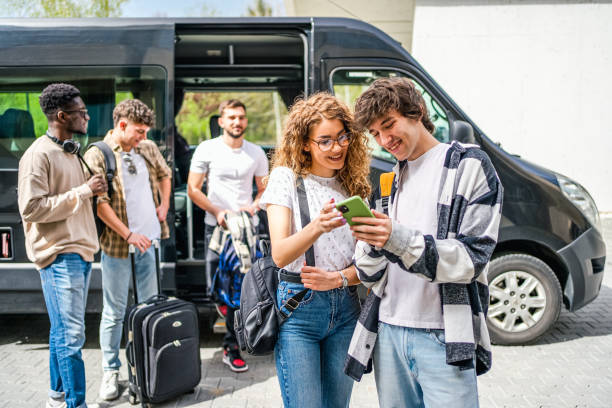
(258, 320)
(257, 329)
(111, 168)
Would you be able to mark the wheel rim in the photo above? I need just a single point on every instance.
(517, 301)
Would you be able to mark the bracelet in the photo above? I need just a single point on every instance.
(129, 235)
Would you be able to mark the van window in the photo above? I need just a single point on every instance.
(348, 84)
(22, 120)
(266, 113)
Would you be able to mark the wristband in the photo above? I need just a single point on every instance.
(129, 235)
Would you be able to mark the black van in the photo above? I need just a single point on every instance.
(550, 246)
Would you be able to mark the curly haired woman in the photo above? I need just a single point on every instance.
(321, 145)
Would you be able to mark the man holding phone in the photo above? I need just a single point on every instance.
(426, 261)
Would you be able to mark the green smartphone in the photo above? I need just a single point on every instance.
(353, 207)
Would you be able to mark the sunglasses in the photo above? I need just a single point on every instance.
(130, 162)
(326, 145)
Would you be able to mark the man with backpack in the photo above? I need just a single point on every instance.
(134, 213)
(229, 164)
(424, 258)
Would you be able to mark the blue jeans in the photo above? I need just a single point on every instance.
(65, 283)
(116, 278)
(312, 347)
(411, 371)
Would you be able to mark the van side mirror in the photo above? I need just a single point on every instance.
(462, 132)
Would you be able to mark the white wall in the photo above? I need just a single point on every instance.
(394, 17)
(534, 75)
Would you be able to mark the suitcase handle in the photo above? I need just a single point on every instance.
(132, 252)
(156, 299)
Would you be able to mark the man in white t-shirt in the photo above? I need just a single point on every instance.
(134, 212)
(229, 164)
(426, 262)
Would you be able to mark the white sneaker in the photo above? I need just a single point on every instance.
(109, 389)
(55, 403)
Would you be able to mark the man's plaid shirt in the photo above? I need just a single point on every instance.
(112, 243)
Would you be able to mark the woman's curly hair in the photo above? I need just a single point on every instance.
(306, 113)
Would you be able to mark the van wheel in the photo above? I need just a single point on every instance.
(524, 299)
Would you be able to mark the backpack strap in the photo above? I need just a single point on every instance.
(293, 302)
(305, 216)
(109, 161)
(386, 186)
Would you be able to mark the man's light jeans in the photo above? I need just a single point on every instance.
(411, 371)
(65, 283)
(116, 278)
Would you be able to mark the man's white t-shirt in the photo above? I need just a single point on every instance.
(333, 250)
(229, 172)
(139, 205)
(408, 300)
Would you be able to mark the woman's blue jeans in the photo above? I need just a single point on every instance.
(312, 346)
(65, 283)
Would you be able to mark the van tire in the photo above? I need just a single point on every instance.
(524, 299)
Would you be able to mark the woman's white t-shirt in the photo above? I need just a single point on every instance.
(333, 250)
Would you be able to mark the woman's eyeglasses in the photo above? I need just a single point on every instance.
(130, 162)
(326, 145)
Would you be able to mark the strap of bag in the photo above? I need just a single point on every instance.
(109, 161)
(304, 216)
(386, 186)
(293, 302)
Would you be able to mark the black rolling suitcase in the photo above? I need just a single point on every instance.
(162, 349)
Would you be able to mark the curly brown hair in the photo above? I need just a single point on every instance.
(391, 94)
(306, 113)
(135, 111)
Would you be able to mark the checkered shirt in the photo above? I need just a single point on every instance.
(112, 243)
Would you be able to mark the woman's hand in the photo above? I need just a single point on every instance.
(329, 218)
(317, 279)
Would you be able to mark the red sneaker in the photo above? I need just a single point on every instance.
(234, 361)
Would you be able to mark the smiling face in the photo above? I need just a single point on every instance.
(399, 135)
(131, 134)
(233, 122)
(326, 163)
(76, 117)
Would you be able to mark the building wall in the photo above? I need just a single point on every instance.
(534, 75)
(393, 17)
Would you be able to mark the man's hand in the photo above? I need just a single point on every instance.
(329, 218)
(374, 231)
(220, 216)
(97, 184)
(317, 279)
(139, 241)
(250, 209)
(162, 212)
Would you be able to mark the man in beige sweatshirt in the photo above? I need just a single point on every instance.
(60, 233)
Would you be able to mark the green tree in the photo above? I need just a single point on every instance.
(65, 8)
(259, 9)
